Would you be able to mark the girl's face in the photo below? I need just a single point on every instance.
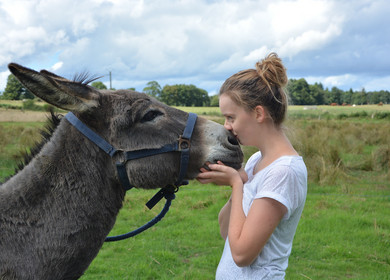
(241, 123)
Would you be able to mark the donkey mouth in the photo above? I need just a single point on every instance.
(234, 165)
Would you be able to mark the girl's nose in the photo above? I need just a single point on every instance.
(227, 125)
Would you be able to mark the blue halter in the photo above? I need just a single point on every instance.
(182, 145)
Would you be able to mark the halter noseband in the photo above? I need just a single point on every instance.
(182, 145)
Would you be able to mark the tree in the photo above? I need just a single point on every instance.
(360, 97)
(384, 96)
(99, 85)
(318, 93)
(14, 90)
(184, 95)
(346, 97)
(300, 92)
(214, 101)
(153, 89)
(335, 96)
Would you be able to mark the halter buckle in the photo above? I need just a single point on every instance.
(120, 157)
(184, 144)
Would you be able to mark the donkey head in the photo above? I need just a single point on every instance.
(129, 121)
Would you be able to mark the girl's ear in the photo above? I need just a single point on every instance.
(260, 113)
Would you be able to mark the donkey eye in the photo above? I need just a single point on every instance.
(151, 115)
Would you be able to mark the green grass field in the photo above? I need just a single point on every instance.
(344, 232)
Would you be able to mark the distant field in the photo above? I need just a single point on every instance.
(304, 110)
(18, 103)
(295, 112)
(21, 116)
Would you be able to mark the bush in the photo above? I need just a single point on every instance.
(382, 115)
(49, 108)
(381, 158)
(333, 149)
(8, 106)
(29, 104)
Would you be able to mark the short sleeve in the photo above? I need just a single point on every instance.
(280, 184)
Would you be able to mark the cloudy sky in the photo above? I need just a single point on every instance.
(202, 42)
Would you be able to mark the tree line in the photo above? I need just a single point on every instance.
(300, 92)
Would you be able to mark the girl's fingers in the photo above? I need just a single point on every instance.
(216, 167)
(202, 181)
(205, 175)
(211, 166)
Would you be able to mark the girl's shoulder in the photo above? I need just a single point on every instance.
(285, 166)
(253, 158)
(294, 164)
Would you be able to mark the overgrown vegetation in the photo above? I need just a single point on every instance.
(344, 232)
(15, 139)
(27, 104)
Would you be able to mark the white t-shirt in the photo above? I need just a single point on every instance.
(284, 180)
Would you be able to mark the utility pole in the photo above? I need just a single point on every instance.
(110, 81)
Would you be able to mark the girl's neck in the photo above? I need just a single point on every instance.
(272, 147)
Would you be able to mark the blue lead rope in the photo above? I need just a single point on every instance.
(169, 197)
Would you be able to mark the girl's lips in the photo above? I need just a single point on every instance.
(238, 139)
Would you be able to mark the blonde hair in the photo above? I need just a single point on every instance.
(263, 86)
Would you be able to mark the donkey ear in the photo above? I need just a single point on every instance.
(58, 91)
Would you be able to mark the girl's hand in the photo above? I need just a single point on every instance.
(243, 175)
(221, 174)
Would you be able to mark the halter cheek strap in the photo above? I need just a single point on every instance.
(91, 135)
(182, 145)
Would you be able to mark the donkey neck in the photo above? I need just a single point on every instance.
(66, 198)
(66, 162)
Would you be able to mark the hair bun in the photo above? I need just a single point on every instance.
(272, 71)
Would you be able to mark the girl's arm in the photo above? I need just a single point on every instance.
(247, 234)
(223, 219)
(224, 214)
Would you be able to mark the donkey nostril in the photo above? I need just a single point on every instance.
(233, 140)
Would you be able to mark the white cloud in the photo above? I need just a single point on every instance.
(202, 41)
(374, 84)
(18, 12)
(257, 54)
(309, 40)
(303, 25)
(3, 78)
(291, 18)
(333, 81)
(56, 66)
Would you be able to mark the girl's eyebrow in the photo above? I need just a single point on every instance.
(228, 115)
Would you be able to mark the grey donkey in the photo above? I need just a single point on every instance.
(56, 212)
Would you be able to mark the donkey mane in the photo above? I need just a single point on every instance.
(85, 78)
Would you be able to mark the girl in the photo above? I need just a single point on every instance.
(260, 219)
